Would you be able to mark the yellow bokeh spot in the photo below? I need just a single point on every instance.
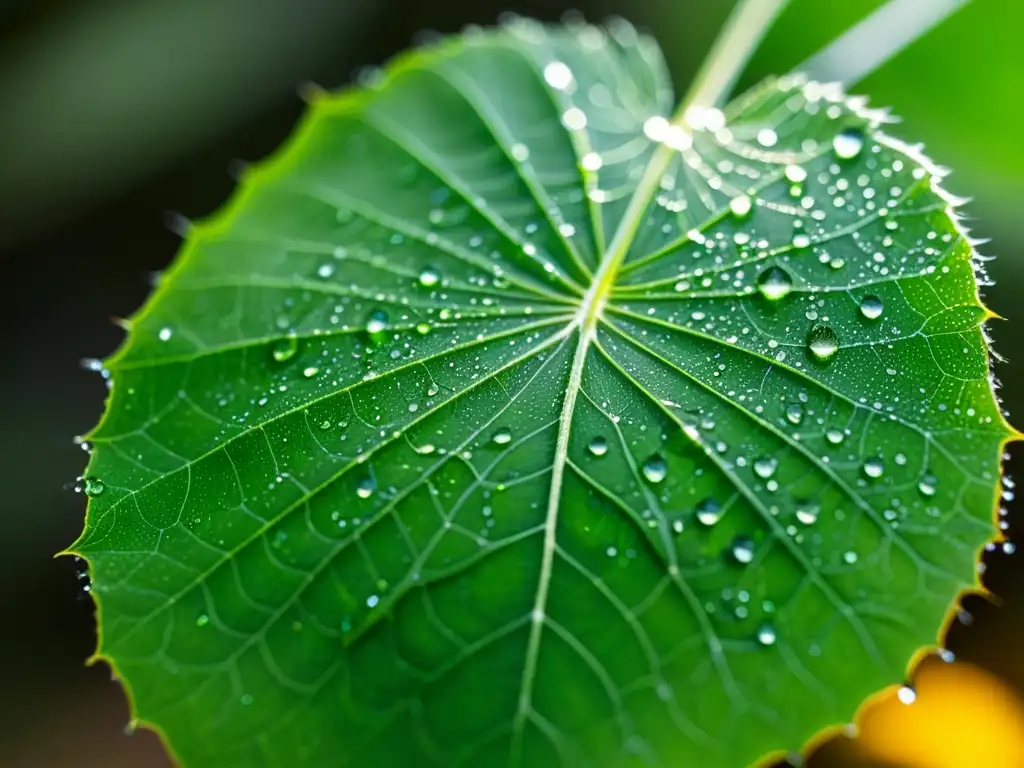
(962, 717)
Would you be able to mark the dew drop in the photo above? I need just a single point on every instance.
(794, 413)
(93, 486)
(765, 466)
(503, 436)
(835, 436)
(774, 283)
(365, 488)
(795, 174)
(655, 469)
(766, 635)
(202, 620)
(709, 512)
(822, 342)
(871, 307)
(848, 143)
(165, 334)
(598, 446)
(310, 371)
(801, 240)
(928, 485)
(376, 325)
(743, 549)
(741, 206)
(807, 512)
(558, 75)
(850, 557)
(906, 695)
(429, 277)
(874, 467)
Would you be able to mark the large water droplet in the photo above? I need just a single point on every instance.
(928, 485)
(598, 446)
(807, 512)
(503, 436)
(376, 326)
(848, 143)
(709, 512)
(765, 466)
(871, 307)
(743, 549)
(766, 635)
(741, 206)
(794, 413)
(655, 469)
(429, 277)
(822, 342)
(93, 486)
(365, 488)
(774, 283)
(835, 436)
(874, 467)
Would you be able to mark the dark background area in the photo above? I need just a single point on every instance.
(115, 112)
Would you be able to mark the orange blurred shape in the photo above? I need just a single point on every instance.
(962, 717)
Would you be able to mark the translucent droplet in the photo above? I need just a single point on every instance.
(743, 549)
(365, 488)
(807, 512)
(709, 512)
(422, 328)
(558, 75)
(164, 334)
(848, 143)
(822, 342)
(794, 413)
(310, 371)
(928, 485)
(874, 467)
(202, 620)
(774, 283)
(598, 446)
(93, 486)
(906, 695)
(655, 469)
(801, 240)
(286, 348)
(850, 557)
(795, 174)
(835, 436)
(765, 466)
(376, 326)
(766, 635)
(429, 277)
(503, 436)
(741, 206)
(871, 307)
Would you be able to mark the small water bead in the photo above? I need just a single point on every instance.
(503, 436)
(709, 512)
(655, 469)
(807, 512)
(376, 325)
(848, 143)
(591, 162)
(286, 348)
(835, 436)
(1009, 547)
(822, 342)
(765, 466)
(164, 334)
(558, 75)
(365, 488)
(906, 695)
(795, 174)
(801, 240)
(598, 446)
(766, 635)
(743, 549)
(93, 486)
(325, 270)
(850, 557)
(520, 152)
(874, 467)
(774, 283)
(429, 278)
(741, 205)
(422, 328)
(310, 371)
(871, 307)
(794, 413)
(928, 485)
(202, 620)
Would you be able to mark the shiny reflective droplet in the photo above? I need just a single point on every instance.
(794, 413)
(655, 469)
(365, 488)
(310, 371)
(850, 557)
(286, 348)
(822, 342)
(871, 307)
(422, 328)
(928, 485)
(906, 695)
(766, 635)
(765, 466)
(874, 467)
(429, 278)
(801, 240)
(834, 436)
(598, 446)
(591, 161)
(164, 334)
(558, 75)
(93, 486)
(743, 549)
(376, 325)
(774, 283)
(795, 174)
(708, 512)
(807, 512)
(741, 206)
(848, 143)
(503, 436)
(202, 620)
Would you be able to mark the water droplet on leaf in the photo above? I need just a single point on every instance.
(774, 283)
(822, 342)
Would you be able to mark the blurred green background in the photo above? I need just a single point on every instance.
(113, 112)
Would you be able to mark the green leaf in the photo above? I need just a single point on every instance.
(502, 420)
